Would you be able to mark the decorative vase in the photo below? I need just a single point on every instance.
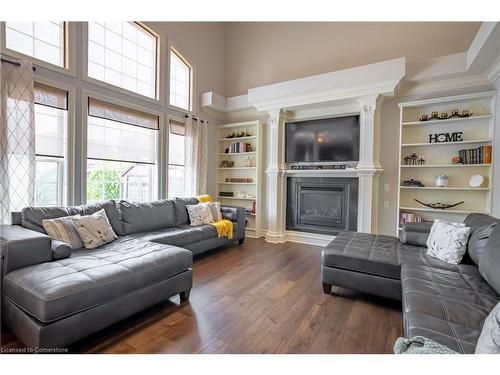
(442, 180)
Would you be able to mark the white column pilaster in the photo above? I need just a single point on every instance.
(276, 191)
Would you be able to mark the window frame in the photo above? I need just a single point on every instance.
(176, 50)
(167, 151)
(159, 76)
(70, 49)
(86, 94)
(60, 176)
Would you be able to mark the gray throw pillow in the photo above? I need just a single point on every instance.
(489, 264)
(489, 340)
(477, 241)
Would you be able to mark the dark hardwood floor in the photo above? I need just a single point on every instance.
(255, 298)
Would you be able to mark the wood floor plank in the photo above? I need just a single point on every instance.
(255, 298)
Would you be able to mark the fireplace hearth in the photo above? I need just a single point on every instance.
(323, 205)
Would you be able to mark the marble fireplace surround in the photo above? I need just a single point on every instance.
(347, 92)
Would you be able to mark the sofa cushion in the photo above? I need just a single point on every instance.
(180, 235)
(32, 216)
(489, 264)
(489, 340)
(477, 241)
(146, 216)
(181, 214)
(375, 254)
(447, 306)
(53, 290)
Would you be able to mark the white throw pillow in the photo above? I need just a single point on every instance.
(95, 230)
(215, 209)
(200, 214)
(63, 229)
(448, 241)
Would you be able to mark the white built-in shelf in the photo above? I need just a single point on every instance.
(236, 153)
(238, 198)
(236, 183)
(237, 138)
(443, 188)
(477, 129)
(446, 121)
(233, 168)
(446, 143)
(445, 165)
(447, 211)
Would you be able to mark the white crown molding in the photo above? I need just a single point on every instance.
(417, 88)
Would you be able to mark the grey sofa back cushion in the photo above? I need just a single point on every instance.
(489, 340)
(478, 240)
(181, 214)
(147, 216)
(489, 264)
(31, 217)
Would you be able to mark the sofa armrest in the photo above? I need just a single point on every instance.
(60, 250)
(235, 214)
(21, 247)
(416, 234)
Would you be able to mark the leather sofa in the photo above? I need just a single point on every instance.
(444, 302)
(53, 296)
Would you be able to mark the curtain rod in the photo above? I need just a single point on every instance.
(196, 119)
(16, 63)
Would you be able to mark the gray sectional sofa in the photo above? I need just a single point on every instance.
(53, 296)
(444, 302)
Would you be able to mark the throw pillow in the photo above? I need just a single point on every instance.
(63, 229)
(200, 214)
(448, 241)
(215, 209)
(95, 230)
(420, 345)
(489, 340)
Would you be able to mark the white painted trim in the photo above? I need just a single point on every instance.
(314, 239)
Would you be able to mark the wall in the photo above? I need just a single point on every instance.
(260, 53)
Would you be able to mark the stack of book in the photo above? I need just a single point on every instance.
(480, 155)
(238, 147)
(409, 217)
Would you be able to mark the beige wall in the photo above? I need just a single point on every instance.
(260, 53)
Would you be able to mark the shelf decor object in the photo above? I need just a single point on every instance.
(438, 205)
(239, 170)
(456, 135)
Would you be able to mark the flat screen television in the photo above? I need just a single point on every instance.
(324, 140)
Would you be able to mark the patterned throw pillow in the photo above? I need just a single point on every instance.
(63, 229)
(200, 214)
(489, 340)
(215, 209)
(95, 230)
(448, 241)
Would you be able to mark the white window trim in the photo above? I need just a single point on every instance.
(69, 51)
(159, 144)
(71, 136)
(167, 143)
(159, 77)
(186, 60)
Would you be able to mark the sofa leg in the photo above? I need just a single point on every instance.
(241, 241)
(327, 288)
(185, 295)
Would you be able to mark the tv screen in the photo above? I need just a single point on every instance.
(324, 140)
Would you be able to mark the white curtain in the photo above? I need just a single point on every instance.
(196, 157)
(17, 138)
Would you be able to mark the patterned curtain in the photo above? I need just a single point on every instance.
(195, 182)
(17, 138)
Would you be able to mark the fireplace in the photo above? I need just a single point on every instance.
(323, 205)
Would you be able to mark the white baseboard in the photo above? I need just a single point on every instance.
(308, 238)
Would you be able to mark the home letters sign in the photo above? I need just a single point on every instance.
(446, 137)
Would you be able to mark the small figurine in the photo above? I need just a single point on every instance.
(421, 160)
(413, 183)
(407, 160)
(413, 159)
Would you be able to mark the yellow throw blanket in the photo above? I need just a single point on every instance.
(224, 227)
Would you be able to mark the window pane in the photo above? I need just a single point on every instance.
(120, 180)
(176, 149)
(51, 125)
(117, 141)
(42, 40)
(175, 181)
(48, 183)
(180, 82)
(127, 54)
